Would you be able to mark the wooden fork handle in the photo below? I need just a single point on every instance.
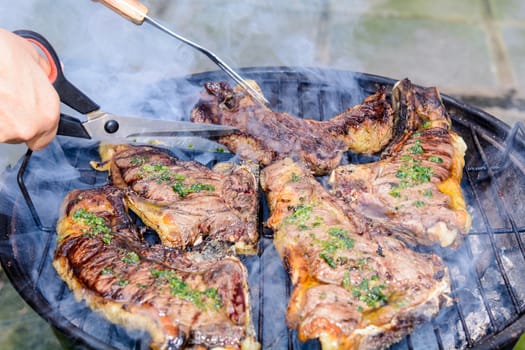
(130, 9)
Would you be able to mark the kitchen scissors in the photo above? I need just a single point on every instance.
(103, 126)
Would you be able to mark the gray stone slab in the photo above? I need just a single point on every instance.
(250, 33)
(452, 55)
(508, 9)
(453, 10)
(514, 39)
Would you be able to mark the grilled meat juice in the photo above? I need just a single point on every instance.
(180, 300)
(184, 201)
(266, 136)
(414, 190)
(354, 286)
(357, 281)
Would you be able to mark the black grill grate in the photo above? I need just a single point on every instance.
(487, 282)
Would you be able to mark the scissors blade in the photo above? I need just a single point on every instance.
(110, 127)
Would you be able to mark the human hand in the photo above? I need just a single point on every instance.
(29, 105)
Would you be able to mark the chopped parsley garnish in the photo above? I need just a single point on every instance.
(302, 218)
(295, 178)
(419, 204)
(159, 172)
(328, 259)
(346, 281)
(137, 160)
(411, 172)
(416, 174)
(107, 237)
(426, 124)
(417, 148)
(411, 175)
(219, 150)
(300, 215)
(339, 240)
(428, 193)
(123, 283)
(184, 190)
(317, 221)
(95, 223)
(369, 291)
(181, 289)
(106, 271)
(131, 258)
(343, 241)
(394, 192)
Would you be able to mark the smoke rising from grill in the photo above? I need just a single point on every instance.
(119, 64)
(115, 62)
(127, 70)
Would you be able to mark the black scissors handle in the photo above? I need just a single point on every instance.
(69, 94)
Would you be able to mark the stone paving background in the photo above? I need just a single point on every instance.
(472, 49)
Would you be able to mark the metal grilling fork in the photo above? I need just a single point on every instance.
(138, 14)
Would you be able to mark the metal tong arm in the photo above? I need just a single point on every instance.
(138, 13)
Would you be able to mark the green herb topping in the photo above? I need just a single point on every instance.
(419, 204)
(339, 240)
(369, 291)
(159, 172)
(178, 287)
(107, 237)
(415, 174)
(295, 178)
(106, 271)
(417, 148)
(184, 190)
(435, 159)
(428, 193)
(137, 160)
(95, 223)
(131, 258)
(301, 214)
(411, 174)
(426, 124)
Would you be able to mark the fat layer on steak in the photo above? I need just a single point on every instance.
(181, 301)
(184, 201)
(265, 136)
(414, 190)
(354, 287)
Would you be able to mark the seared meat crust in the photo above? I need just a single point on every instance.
(179, 301)
(414, 190)
(184, 201)
(266, 136)
(355, 287)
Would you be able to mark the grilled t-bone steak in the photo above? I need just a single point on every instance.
(414, 190)
(266, 135)
(181, 302)
(353, 288)
(184, 201)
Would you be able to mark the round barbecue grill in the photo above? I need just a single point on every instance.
(488, 283)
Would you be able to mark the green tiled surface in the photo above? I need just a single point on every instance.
(429, 52)
(452, 10)
(508, 10)
(514, 38)
(448, 43)
(20, 327)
